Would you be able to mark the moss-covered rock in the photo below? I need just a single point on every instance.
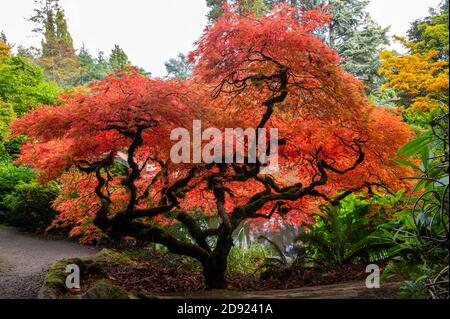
(107, 255)
(55, 282)
(105, 289)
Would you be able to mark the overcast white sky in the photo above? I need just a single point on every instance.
(152, 31)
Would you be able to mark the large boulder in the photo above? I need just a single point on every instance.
(55, 282)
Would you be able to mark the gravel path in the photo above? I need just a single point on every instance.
(25, 258)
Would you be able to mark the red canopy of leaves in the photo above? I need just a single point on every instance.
(242, 65)
(91, 122)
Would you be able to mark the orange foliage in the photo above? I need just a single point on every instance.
(5, 49)
(243, 64)
(420, 77)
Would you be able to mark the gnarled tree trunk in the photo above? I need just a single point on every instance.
(215, 265)
(214, 272)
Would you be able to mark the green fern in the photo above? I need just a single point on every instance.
(343, 235)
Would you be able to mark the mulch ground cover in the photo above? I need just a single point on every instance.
(161, 274)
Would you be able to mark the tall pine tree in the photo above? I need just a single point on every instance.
(118, 59)
(57, 58)
(179, 67)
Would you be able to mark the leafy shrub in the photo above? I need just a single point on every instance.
(6, 116)
(23, 85)
(12, 148)
(247, 260)
(419, 238)
(11, 175)
(29, 205)
(342, 232)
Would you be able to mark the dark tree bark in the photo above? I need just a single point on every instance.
(215, 266)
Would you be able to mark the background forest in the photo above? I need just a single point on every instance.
(406, 228)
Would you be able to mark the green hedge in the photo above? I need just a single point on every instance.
(29, 205)
(11, 176)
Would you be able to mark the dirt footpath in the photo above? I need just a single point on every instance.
(25, 258)
(348, 290)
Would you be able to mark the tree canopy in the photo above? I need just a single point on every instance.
(250, 72)
(350, 31)
(421, 75)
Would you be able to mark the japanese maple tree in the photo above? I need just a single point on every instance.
(251, 72)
